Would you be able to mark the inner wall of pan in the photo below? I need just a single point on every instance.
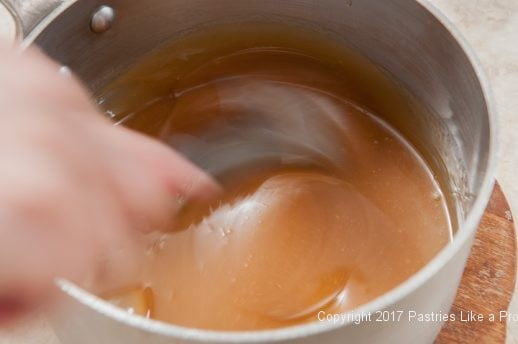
(448, 122)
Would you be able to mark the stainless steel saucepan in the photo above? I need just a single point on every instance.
(408, 39)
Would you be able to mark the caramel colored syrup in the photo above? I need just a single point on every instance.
(289, 237)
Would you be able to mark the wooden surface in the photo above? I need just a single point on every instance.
(488, 281)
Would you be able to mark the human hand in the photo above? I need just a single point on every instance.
(76, 192)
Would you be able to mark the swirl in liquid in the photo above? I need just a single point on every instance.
(325, 206)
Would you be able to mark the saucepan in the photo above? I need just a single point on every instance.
(408, 39)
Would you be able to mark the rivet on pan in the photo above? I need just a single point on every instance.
(64, 70)
(102, 19)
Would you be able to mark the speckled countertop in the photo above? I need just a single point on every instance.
(491, 27)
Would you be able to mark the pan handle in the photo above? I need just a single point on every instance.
(28, 14)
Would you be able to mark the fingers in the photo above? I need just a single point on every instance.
(156, 181)
(35, 248)
(179, 175)
(97, 183)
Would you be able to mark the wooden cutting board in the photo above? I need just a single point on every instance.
(489, 278)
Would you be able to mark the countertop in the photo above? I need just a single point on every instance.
(491, 27)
